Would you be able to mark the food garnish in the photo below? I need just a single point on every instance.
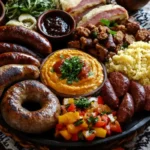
(82, 103)
(109, 24)
(85, 120)
(14, 8)
(71, 69)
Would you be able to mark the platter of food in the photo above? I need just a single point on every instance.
(73, 74)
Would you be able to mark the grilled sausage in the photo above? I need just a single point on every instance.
(9, 47)
(109, 96)
(126, 109)
(138, 93)
(119, 82)
(17, 58)
(30, 119)
(10, 74)
(25, 36)
(147, 98)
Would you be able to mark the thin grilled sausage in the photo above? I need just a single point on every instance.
(138, 93)
(119, 82)
(109, 96)
(25, 36)
(10, 74)
(18, 58)
(126, 109)
(9, 47)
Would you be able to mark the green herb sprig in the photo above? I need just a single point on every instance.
(78, 122)
(70, 69)
(82, 103)
(14, 8)
(109, 24)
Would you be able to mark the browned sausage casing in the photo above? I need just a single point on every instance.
(24, 118)
(18, 58)
(147, 98)
(109, 96)
(25, 36)
(126, 109)
(138, 94)
(10, 74)
(119, 82)
(9, 47)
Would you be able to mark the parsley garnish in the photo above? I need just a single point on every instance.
(92, 120)
(78, 122)
(105, 22)
(112, 32)
(82, 103)
(109, 24)
(70, 69)
(94, 34)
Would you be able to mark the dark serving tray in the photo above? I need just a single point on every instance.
(139, 123)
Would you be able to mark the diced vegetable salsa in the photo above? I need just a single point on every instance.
(85, 119)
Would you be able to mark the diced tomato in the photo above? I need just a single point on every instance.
(57, 66)
(100, 100)
(115, 127)
(84, 72)
(105, 118)
(59, 126)
(100, 123)
(82, 113)
(89, 136)
(75, 137)
(72, 107)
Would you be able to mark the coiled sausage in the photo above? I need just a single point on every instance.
(30, 120)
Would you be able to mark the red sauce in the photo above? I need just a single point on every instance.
(55, 26)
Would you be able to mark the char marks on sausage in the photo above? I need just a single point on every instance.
(10, 74)
(18, 58)
(19, 117)
(9, 47)
(25, 36)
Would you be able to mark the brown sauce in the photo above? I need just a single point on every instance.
(55, 26)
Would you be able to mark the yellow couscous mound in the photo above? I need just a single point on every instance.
(134, 62)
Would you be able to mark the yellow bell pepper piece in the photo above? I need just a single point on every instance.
(73, 129)
(65, 134)
(71, 100)
(100, 132)
(84, 125)
(68, 118)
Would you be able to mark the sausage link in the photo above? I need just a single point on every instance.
(119, 82)
(126, 109)
(147, 98)
(9, 47)
(109, 95)
(18, 58)
(138, 93)
(10, 74)
(25, 36)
